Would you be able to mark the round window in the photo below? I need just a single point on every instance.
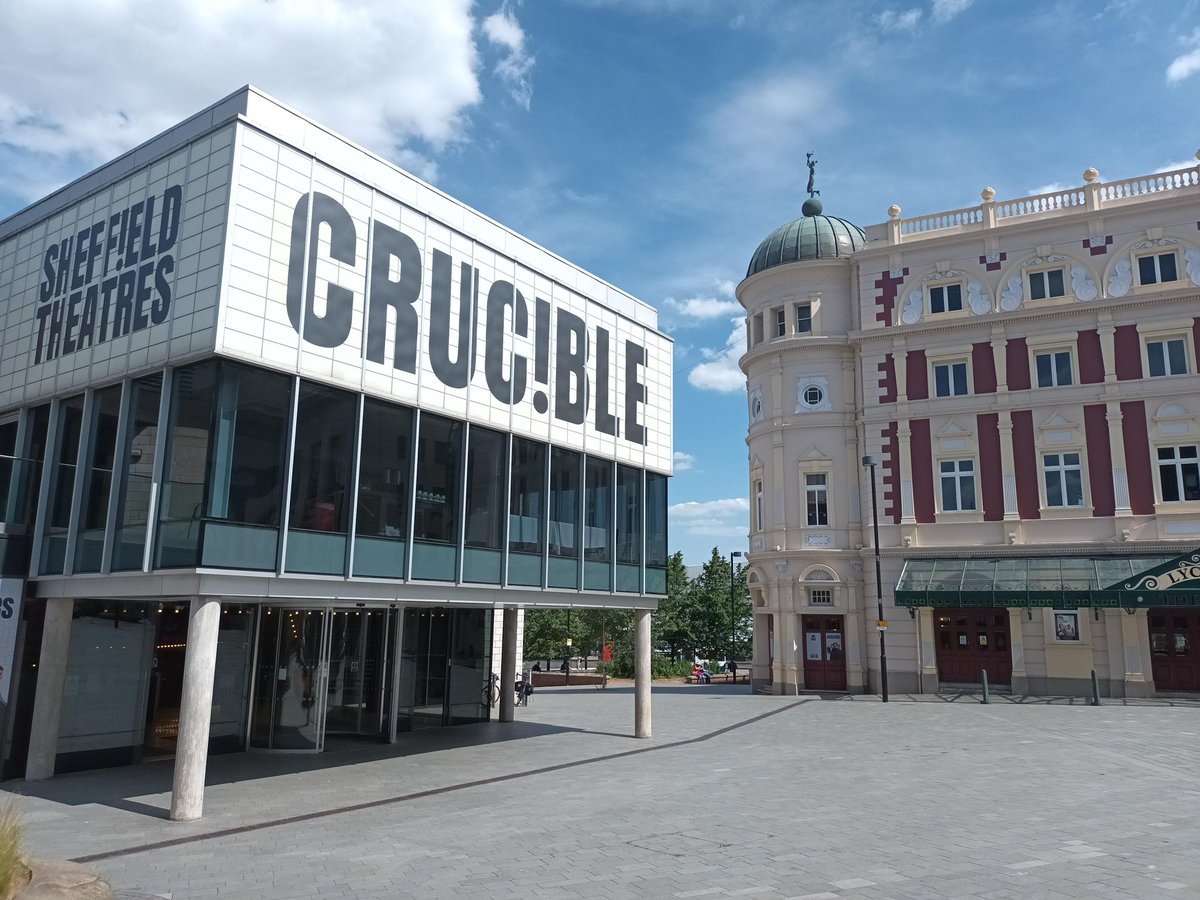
(813, 395)
(756, 407)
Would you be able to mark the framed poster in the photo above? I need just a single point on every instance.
(1066, 626)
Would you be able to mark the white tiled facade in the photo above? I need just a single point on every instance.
(1021, 372)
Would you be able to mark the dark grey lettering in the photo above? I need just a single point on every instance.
(570, 368)
(401, 296)
(635, 392)
(455, 374)
(333, 328)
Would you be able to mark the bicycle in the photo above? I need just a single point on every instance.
(491, 691)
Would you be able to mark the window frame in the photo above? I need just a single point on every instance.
(756, 490)
(779, 329)
(944, 288)
(950, 363)
(957, 477)
(1156, 254)
(1178, 464)
(1061, 468)
(1165, 339)
(1045, 273)
(821, 494)
(1054, 352)
(804, 323)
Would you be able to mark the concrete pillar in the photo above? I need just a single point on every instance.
(926, 637)
(508, 665)
(47, 703)
(195, 710)
(641, 675)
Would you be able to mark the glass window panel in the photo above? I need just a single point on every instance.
(62, 486)
(384, 470)
(1062, 364)
(953, 296)
(1055, 279)
(321, 464)
(1037, 285)
(249, 444)
(1166, 267)
(93, 514)
(1074, 487)
(1146, 270)
(439, 479)
(487, 482)
(487, 465)
(136, 474)
(565, 518)
(1155, 353)
(193, 401)
(1177, 357)
(629, 515)
(597, 522)
(1045, 372)
(960, 379)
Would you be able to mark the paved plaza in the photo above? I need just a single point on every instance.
(735, 795)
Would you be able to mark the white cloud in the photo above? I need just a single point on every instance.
(745, 131)
(683, 461)
(502, 29)
(945, 10)
(703, 308)
(1050, 188)
(891, 20)
(386, 73)
(1187, 64)
(721, 373)
(1182, 164)
(725, 518)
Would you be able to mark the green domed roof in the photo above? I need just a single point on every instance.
(812, 236)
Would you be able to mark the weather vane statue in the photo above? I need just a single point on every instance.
(812, 174)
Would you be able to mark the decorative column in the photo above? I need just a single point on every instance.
(926, 628)
(47, 703)
(641, 675)
(1120, 470)
(1135, 638)
(1016, 643)
(853, 637)
(195, 710)
(508, 665)
(1008, 468)
(904, 434)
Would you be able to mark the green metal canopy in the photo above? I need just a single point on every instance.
(1052, 581)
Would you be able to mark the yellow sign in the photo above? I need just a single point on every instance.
(568, 642)
(881, 624)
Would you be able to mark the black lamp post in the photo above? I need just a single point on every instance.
(732, 607)
(880, 624)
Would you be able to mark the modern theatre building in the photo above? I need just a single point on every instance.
(283, 427)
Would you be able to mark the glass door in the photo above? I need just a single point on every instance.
(357, 692)
(288, 680)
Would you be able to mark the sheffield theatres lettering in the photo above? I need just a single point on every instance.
(110, 279)
(507, 312)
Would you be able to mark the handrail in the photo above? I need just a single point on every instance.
(1092, 195)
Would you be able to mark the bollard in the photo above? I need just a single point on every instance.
(1095, 689)
(985, 687)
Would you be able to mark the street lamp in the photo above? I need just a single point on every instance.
(732, 608)
(881, 623)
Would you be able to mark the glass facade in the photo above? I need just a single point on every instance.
(260, 471)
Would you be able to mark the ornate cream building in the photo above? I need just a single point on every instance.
(1023, 375)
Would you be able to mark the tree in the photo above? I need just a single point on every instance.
(671, 625)
(545, 634)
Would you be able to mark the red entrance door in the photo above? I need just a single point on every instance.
(1174, 640)
(824, 653)
(969, 641)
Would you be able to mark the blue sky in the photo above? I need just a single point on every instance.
(654, 142)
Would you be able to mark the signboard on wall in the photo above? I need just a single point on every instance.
(123, 280)
(333, 277)
(12, 590)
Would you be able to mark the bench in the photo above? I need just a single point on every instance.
(726, 677)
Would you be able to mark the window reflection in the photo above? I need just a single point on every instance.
(383, 490)
(565, 518)
(526, 521)
(93, 514)
(598, 525)
(62, 486)
(435, 526)
(487, 467)
(136, 473)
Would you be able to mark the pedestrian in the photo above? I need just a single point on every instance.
(565, 667)
(733, 667)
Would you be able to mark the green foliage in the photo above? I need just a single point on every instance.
(702, 617)
(11, 867)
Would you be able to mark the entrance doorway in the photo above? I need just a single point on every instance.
(288, 680)
(824, 653)
(971, 640)
(166, 680)
(1174, 638)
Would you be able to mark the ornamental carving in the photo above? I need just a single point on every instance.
(1013, 294)
(1082, 284)
(977, 298)
(1192, 264)
(914, 308)
(1120, 280)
